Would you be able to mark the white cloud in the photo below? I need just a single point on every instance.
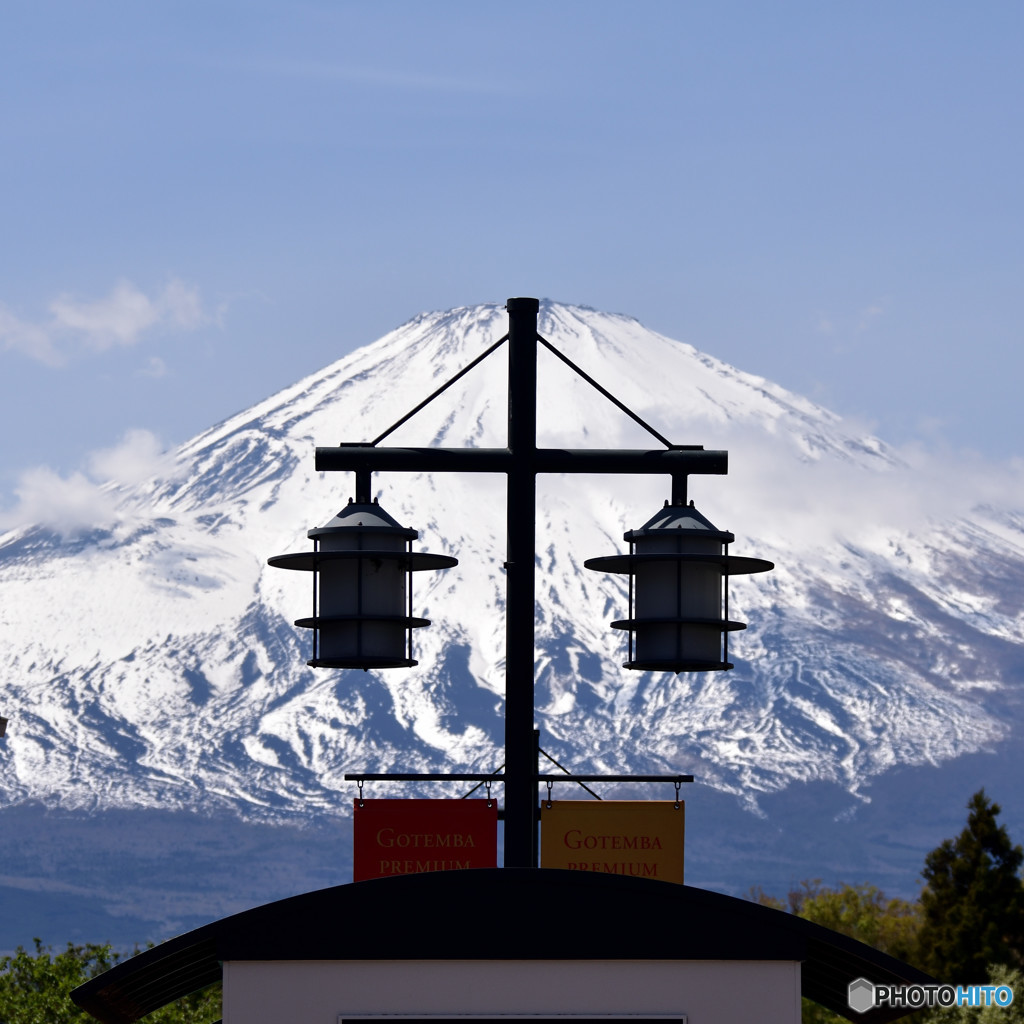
(97, 325)
(82, 501)
(118, 319)
(137, 457)
(121, 317)
(68, 505)
(774, 489)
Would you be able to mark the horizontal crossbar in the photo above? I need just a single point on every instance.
(500, 460)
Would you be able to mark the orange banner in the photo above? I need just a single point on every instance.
(404, 837)
(640, 838)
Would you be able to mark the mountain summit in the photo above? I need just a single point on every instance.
(150, 661)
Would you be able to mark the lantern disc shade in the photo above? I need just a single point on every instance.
(362, 614)
(678, 598)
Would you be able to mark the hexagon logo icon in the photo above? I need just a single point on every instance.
(860, 996)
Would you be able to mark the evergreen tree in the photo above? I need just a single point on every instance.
(973, 901)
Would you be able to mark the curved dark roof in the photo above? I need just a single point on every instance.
(585, 915)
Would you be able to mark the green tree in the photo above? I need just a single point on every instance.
(36, 988)
(998, 974)
(863, 912)
(972, 903)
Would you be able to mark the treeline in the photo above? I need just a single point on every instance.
(35, 988)
(966, 927)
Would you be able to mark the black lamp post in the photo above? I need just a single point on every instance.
(521, 461)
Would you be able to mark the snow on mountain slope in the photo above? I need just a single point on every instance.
(151, 662)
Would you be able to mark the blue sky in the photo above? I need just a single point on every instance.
(203, 202)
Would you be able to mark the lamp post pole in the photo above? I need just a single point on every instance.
(520, 610)
(521, 460)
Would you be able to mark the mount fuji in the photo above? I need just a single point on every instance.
(171, 758)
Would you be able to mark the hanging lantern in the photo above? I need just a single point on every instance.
(678, 598)
(362, 599)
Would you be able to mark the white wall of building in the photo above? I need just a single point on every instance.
(319, 991)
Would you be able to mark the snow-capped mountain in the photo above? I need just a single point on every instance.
(150, 660)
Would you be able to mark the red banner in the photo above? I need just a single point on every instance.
(404, 837)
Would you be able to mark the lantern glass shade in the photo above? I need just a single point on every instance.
(362, 616)
(677, 567)
(362, 601)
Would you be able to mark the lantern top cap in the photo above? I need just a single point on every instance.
(679, 517)
(363, 515)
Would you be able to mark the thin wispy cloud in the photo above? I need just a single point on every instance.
(29, 339)
(380, 77)
(868, 316)
(843, 331)
(119, 319)
(155, 367)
